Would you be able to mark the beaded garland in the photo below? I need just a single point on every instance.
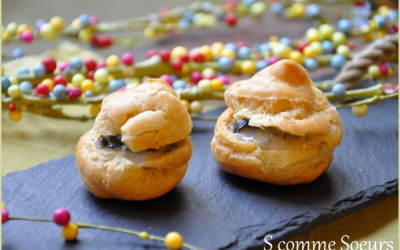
(197, 73)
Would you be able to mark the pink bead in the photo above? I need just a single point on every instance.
(351, 45)
(90, 74)
(63, 66)
(60, 79)
(301, 45)
(61, 216)
(241, 44)
(167, 78)
(127, 59)
(209, 77)
(151, 53)
(196, 77)
(273, 60)
(384, 69)
(93, 20)
(223, 79)
(74, 93)
(4, 215)
(101, 64)
(27, 36)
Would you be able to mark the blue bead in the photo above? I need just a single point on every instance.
(184, 24)
(5, 83)
(179, 84)
(84, 20)
(39, 23)
(17, 53)
(286, 41)
(225, 64)
(59, 92)
(264, 47)
(115, 85)
(39, 70)
(244, 53)
(344, 25)
(339, 90)
(312, 10)
(380, 20)
(88, 93)
(231, 46)
(206, 7)
(393, 16)
(248, 2)
(338, 61)
(261, 64)
(189, 16)
(76, 63)
(277, 8)
(328, 47)
(25, 86)
(311, 64)
(23, 71)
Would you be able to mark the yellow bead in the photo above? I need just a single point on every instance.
(390, 72)
(22, 28)
(57, 22)
(360, 111)
(149, 32)
(185, 68)
(310, 52)
(313, 35)
(216, 84)
(85, 35)
(266, 54)
(326, 31)
(15, 116)
(77, 79)
(372, 25)
(208, 20)
(282, 51)
(6, 36)
(12, 28)
(272, 44)
(47, 31)
(144, 235)
(248, 67)
(380, 34)
(178, 52)
(384, 10)
(207, 52)
(374, 71)
(339, 38)
(216, 48)
(49, 83)
(196, 107)
(205, 86)
(76, 24)
(70, 86)
(173, 240)
(87, 85)
(273, 39)
(296, 56)
(70, 231)
(365, 29)
(298, 10)
(186, 104)
(13, 80)
(343, 50)
(112, 61)
(228, 53)
(128, 71)
(14, 91)
(318, 47)
(95, 110)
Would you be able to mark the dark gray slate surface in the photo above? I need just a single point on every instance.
(212, 209)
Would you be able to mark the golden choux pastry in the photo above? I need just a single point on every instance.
(278, 128)
(139, 146)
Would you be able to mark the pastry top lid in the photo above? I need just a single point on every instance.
(148, 116)
(282, 96)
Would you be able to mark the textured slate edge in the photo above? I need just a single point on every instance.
(253, 236)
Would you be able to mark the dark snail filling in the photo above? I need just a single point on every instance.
(111, 141)
(240, 124)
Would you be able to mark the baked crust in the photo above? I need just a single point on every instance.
(155, 128)
(281, 97)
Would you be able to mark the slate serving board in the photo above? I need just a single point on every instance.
(211, 208)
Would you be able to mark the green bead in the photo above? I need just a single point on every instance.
(339, 38)
(360, 110)
(326, 30)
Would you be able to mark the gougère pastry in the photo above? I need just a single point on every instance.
(139, 146)
(278, 127)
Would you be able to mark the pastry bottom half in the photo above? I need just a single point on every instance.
(121, 174)
(297, 164)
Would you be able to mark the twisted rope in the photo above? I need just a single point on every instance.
(377, 52)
